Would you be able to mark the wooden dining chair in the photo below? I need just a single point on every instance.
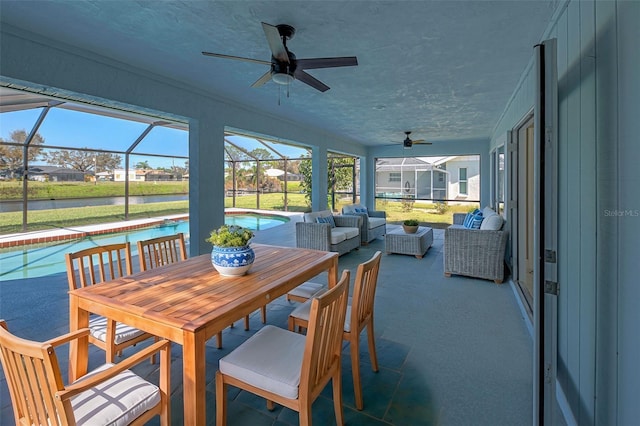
(161, 251)
(289, 368)
(165, 250)
(110, 394)
(305, 291)
(359, 317)
(96, 265)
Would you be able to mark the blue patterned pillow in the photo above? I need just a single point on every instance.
(361, 210)
(467, 220)
(473, 221)
(326, 219)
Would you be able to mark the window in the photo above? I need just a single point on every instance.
(395, 177)
(462, 181)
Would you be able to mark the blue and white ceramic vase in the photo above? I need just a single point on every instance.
(232, 261)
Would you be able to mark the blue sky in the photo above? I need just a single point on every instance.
(76, 129)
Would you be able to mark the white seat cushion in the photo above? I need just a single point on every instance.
(117, 401)
(338, 235)
(98, 329)
(307, 290)
(302, 312)
(271, 360)
(350, 232)
(374, 222)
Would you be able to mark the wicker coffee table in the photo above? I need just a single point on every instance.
(398, 241)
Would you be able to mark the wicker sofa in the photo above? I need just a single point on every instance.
(342, 238)
(373, 225)
(475, 253)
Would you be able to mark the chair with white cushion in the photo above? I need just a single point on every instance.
(99, 264)
(305, 291)
(110, 394)
(359, 316)
(289, 368)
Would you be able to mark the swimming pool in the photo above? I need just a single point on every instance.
(38, 261)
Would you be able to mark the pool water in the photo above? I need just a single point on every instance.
(38, 261)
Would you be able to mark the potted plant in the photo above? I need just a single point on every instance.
(410, 226)
(231, 254)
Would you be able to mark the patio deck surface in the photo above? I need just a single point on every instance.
(451, 351)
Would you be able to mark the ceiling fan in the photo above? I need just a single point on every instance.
(408, 143)
(284, 65)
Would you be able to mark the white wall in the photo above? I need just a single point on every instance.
(473, 178)
(599, 206)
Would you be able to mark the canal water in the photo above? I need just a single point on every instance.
(16, 206)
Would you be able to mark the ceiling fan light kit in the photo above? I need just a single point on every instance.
(282, 78)
(285, 67)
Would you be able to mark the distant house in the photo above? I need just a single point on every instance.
(55, 174)
(429, 178)
(160, 175)
(119, 175)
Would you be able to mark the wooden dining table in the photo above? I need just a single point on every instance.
(189, 302)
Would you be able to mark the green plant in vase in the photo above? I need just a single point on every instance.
(410, 226)
(231, 254)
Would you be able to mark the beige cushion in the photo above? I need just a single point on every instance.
(117, 401)
(374, 222)
(338, 235)
(492, 223)
(307, 290)
(351, 208)
(342, 233)
(488, 211)
(271, 360)
(98, 329)
(311, 217)
(302, 312)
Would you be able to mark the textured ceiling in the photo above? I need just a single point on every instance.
(443, 69)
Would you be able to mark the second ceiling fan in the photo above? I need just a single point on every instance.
(284, 66)
(408, 143)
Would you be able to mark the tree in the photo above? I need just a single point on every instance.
(83, 161)
(142, 165)
(11, 156)
(338, 178)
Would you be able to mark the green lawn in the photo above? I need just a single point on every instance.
(12, 190)
(11, 222)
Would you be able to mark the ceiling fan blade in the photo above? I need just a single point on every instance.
(239, 58)
(314, 63)
(262, 80)
(422, 141)
(310, 80)
(276, 45)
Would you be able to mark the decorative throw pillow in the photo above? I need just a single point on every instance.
(492, 223)
(327, 219)
(476, 222)
(361, 210)
(467, 220)
(473, 221)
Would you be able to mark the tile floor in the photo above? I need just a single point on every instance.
(451, 351)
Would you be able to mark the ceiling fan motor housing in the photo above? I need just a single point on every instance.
(281, 67)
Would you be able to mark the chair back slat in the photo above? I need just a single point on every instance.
(161, 251)
(364, 291)
(324, 337)
(31, 369)
(98, 264)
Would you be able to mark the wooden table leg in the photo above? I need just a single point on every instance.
(78, 348)
(333, 272)
(193, 378)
